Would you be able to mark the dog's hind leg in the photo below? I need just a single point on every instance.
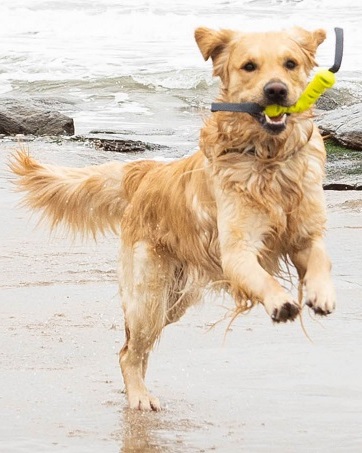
(145, 283)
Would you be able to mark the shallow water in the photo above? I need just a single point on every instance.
(262, 388)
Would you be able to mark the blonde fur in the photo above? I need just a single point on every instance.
(223, 217)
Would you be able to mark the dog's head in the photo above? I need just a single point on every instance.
(266, 68)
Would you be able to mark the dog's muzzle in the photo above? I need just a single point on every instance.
(274, 125)
(275, 92)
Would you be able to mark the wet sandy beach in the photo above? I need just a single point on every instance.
(263, 388)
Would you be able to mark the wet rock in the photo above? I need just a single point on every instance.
(342, 186)
(32, 117)
(344, 125)
(123, 146)
(339, 114)
(347, 93)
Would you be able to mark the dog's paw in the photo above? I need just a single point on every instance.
(143, 402)
(320, 296)
(287, 312)
(281, 308)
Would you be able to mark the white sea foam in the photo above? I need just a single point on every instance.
(92, 50)
(78, 39)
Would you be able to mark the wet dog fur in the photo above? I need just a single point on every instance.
(224, 217)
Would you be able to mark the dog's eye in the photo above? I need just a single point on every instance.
(249, 67)
(290, 64)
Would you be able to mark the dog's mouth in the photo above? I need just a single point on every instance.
(274, 125)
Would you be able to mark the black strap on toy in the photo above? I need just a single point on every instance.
(244, 107)
(339, 50)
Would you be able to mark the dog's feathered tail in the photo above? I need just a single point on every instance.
(84, 200)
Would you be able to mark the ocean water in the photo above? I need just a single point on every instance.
(132, 67)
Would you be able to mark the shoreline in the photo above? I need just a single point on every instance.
(343, 167)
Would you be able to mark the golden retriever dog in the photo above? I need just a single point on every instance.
(224, 218)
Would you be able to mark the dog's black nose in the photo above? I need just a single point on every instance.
(276, 92)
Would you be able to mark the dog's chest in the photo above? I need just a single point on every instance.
(274, 188)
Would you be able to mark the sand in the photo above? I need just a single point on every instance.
(262, 388)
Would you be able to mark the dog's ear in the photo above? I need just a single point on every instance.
(213, 43)
(319, 36)
(309, 40)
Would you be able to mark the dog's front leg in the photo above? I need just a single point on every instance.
(241, 236)
(314, 268)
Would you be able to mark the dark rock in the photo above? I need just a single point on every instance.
(342, 186)
(123, 146)
(344, 125)
(31, 117)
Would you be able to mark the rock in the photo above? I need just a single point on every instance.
(123, 146)
(31, 117)
(344, 125)
(339, 114)
(342, 186)
(346, 94)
